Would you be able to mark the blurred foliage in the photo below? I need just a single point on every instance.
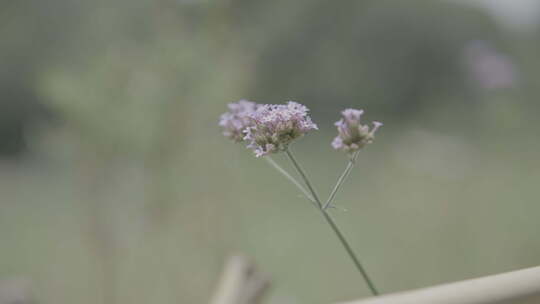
(394, 55)
(127, 193)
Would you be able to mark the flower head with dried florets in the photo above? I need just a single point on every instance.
(352, 135)
(235, 122)
(274, 127)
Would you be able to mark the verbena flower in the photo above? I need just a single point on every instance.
(273, 127)
(235, 122)
(352, 135)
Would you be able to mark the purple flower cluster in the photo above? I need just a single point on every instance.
(235, 122)
(266, 128)
(352, 135)
(274, 127)
(270, 128)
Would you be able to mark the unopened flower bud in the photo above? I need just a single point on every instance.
(352, 135)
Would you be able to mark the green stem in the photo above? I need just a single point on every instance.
(341, 179)
(304, 178)
(290, 178)
(351, 253)
(333, 225)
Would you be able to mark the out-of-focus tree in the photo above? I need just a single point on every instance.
(396, 55)
(33, 36)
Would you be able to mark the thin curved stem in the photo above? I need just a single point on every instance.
(341, 180)
(304, 178)
(333, 225)
(351, 253)
(293, 180)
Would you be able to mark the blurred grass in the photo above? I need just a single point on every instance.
(423, 208)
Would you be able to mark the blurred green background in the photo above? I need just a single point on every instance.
(116, 185)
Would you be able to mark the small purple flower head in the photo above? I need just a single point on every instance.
(352, 135)
(274, 127)
(236, 120)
